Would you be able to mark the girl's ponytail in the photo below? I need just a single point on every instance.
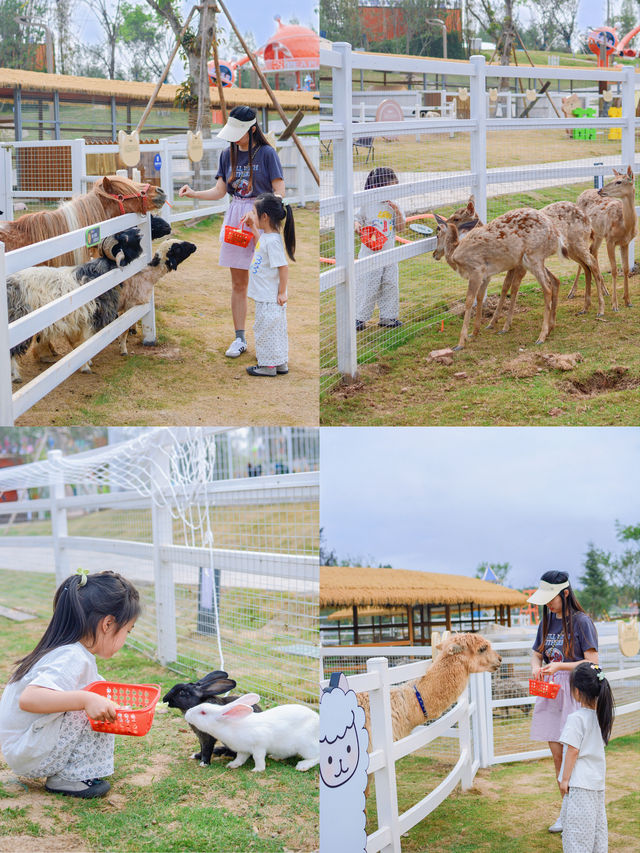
(589, 680)
(289, 232)
(605, 708)
(79, 605)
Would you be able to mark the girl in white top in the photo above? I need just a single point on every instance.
(268, 280)
(582, 773)
(44, 710)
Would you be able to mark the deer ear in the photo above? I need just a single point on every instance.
(468, 225)
(455, 649)
(471, 205)
(629, 172)
(440, 219)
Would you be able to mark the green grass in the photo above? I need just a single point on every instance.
(161, 800)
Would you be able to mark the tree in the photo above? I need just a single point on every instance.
(109, 15)
(63, 13)
(627, 17)
(625, 569)
(596, 595)
(341, 21)
(327, 558)
(19, 41)
(500, 570)
(170, 11)
(147, 43)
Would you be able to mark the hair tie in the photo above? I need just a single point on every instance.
(598, 671)
(83, 576)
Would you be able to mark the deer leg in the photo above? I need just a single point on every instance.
(555, 291)
(473, 288)
(574, 286)
(602, 290)
(506, 285)
(611, 251)
(479, 304)
(587, 286)
(516, 281)
(543, 276)
(624, 252)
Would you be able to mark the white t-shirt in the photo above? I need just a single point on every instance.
(582, 731)
(264, 278)
(380, 215)
(27, 738)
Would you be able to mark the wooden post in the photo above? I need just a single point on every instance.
(410, 620)
(447, 612)
(270, 92)
(472, 626)
(223, 106)
(355, 625)
(509, 615)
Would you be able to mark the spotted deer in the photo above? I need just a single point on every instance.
(612, 214)
(576, 232)
(521, 239)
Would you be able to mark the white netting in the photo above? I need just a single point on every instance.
(172, 467)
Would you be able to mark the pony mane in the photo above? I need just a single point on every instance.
(122, 185)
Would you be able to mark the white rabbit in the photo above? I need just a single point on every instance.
(280, 732)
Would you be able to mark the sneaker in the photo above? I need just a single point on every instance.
(257, 370)
(282, 368)
(360, 325)
(88, 789)
(389, 324)
(236, 348)
(556, 827)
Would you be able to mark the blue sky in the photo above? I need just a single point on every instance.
(445, 499)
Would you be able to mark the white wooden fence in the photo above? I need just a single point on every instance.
(12, 405)
(266, 579)
(173, 169)
(342, 348)
(473, 740)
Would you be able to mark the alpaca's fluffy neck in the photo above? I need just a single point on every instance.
(439, 687)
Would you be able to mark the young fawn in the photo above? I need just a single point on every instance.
(517, 241)
(612, 214)
(577, 235)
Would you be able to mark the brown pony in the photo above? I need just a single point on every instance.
(110, 196)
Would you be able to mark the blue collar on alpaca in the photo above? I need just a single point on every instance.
(420, 702)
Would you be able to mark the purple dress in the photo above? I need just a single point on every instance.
(266, 169)
(549, 715)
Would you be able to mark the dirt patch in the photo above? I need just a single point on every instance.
(158, 769)
(529, 363)
(602, 381)
(42, 844)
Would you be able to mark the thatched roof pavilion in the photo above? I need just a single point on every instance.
(428, 600)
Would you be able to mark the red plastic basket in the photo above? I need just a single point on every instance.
(372, 238)
(237, 236)
(547, 689)
(139, 704)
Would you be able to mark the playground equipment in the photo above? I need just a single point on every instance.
(291, 48)
(603, 41)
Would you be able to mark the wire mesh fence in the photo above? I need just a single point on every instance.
(226, 564)
(509, 705)
(392, 157)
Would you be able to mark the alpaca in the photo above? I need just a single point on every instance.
(110, 196)
(35, 287)
(440, 686)
(138, 289)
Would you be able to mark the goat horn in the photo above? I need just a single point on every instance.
(108, 245)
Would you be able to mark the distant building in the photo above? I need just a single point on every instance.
(383, 19)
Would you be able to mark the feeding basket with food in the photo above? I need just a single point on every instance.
(237, 236)
(546, 689)
(137, 704)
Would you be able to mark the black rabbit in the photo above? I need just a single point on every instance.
(185, 696)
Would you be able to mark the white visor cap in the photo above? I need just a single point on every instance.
(235, 129)
(547, 591)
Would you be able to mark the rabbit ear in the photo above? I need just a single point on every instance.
(217, 687)
(237, 712)
(211, 676)
(247, 699)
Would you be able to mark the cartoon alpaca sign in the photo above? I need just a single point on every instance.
(343, 769)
